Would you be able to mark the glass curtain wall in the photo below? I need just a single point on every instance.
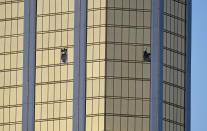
(11, 64)
(118, 79)
(54, 78)
(95, 63)
(174, 65)
(127, 106)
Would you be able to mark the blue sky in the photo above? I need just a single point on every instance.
(199, 66)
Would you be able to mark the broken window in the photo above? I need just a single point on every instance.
(64, 55)
(147, 56)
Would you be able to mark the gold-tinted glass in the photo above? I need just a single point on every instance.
(11, 64)
(95, 63)
(54, 78)
(127, 74)
(174, 65)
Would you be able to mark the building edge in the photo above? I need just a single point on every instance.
(188, 66)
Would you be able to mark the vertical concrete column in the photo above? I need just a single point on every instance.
(79, 89)
(157, 65)
(29, 64)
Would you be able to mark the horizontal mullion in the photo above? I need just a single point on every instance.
(127, 115)
(10, 106)
(175, 34)
(174, 16)
(11, 86)
(174, 68)
(53, 119)
(11, 2)
(54, 82)
(55, 14)
(128, 9)
(173, 50)
(174, 85)
(53, 102)
(12, 19)
(173, 104)
(172, 121)
(54, 31)
(10, 123)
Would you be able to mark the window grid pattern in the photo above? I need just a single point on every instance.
(174, 65)
(95, 64)
(11, 64)
(54, 79)
(127, 75)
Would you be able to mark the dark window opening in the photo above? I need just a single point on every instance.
(64, 55)
(147, 56)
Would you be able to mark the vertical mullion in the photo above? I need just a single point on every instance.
(92, 70)
(128, 64)
(142, 62)
(164, 68)
(135, 110)
(4, 65)
(41, 105)
(48, 44)
(99, 67)
(181, 96)
(54, 69)
(17, 62)
(173, 69)
(176, 59)
(60, 66)
(170, 72)
(67, 71)
(113, 76)
(75, 84)
(121, 98)
(105, 77)
(151, 58)
(10, 67)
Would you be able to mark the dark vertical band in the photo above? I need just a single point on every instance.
(157, 65)
(79, 88)
(188, 66)
(29, 64)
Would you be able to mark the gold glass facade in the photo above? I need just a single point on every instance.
(95, 65)
(117, 77)
(127, 106)
(54, 79)
(174, 65)
(11, 64)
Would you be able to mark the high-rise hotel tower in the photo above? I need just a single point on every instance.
(95, 65)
